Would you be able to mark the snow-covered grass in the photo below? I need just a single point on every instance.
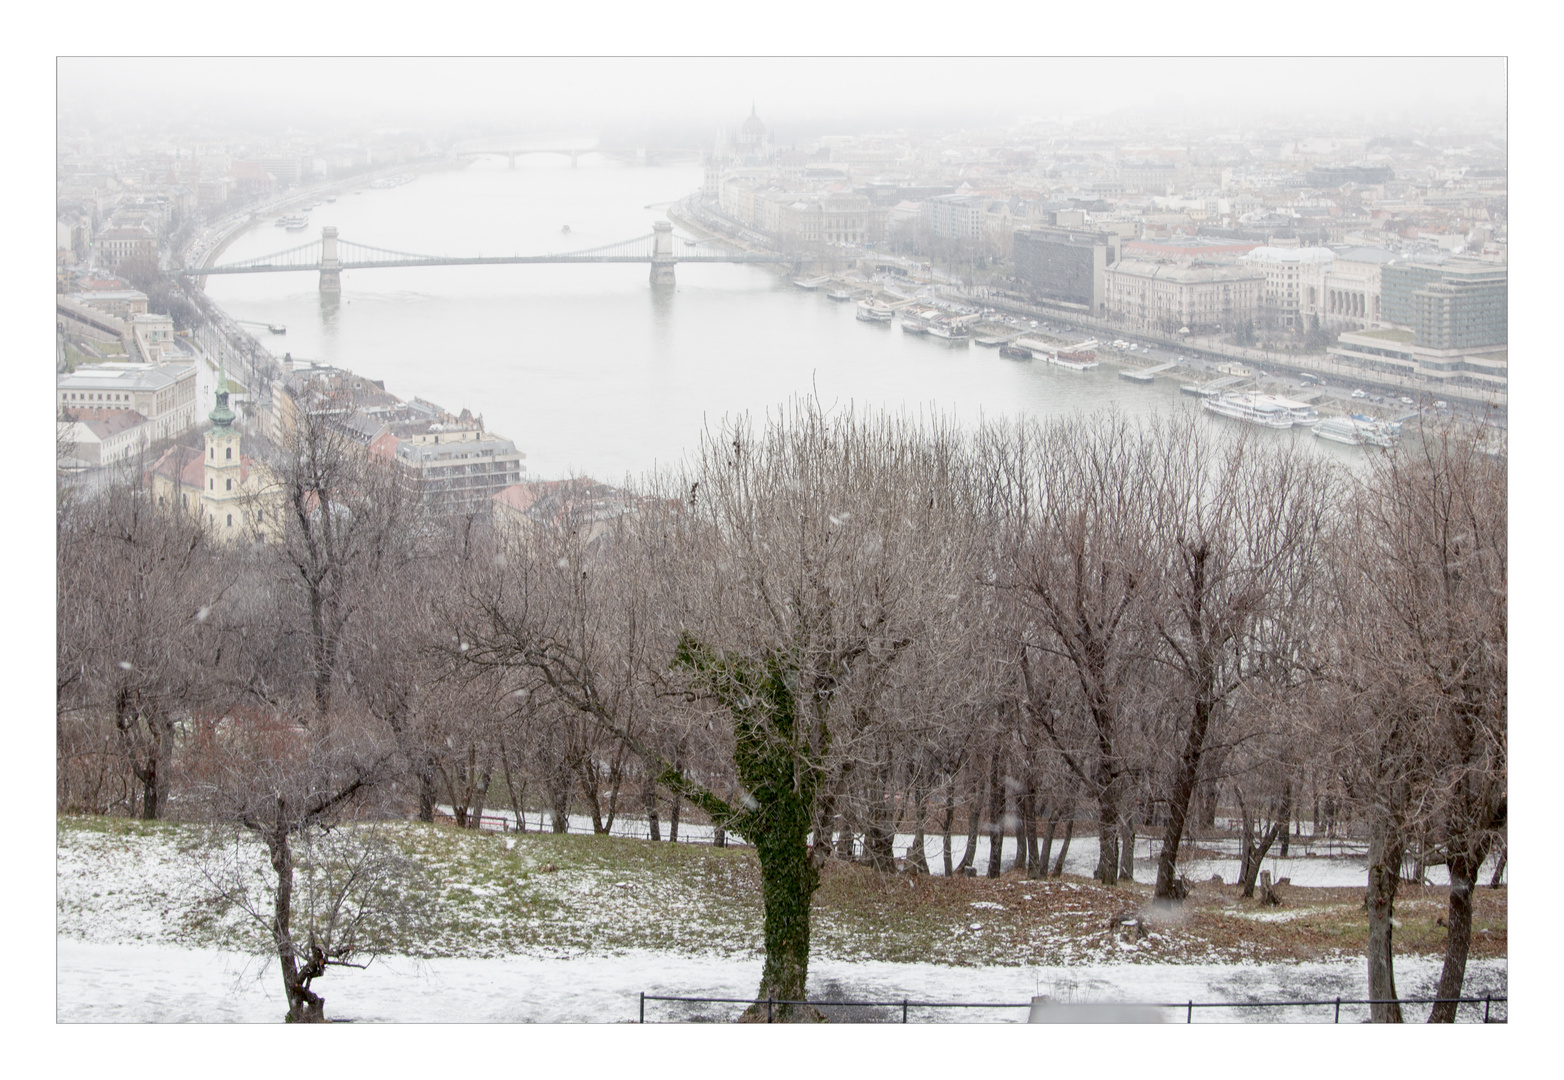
(1322, 863)
(162, 983)
(532, 906)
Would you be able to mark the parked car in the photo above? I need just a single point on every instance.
(1360, 393)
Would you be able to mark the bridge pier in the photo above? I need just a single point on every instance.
(662, 253)
(330, 265)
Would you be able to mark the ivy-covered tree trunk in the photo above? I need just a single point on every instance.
(780, 776)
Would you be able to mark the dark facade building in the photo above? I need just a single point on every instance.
(1458, 304)
(1067, 265)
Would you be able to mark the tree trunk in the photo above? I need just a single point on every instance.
(1064, 848)
(1026, 853)
(1127, 850)
(304, 1006)
(974, 819)
(879, 832)
(518, 799)
(616, 774)
(589, 778)
(1185, 778)
(996, 813)
(677, 804)
(1463, 882)
(480, 796)
(1498, 869)
(1039, 868)
(1384, 876)
(649, 796)
(917, 858)
(560, 816)
(950, 813)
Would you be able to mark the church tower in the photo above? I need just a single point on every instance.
(223, 499)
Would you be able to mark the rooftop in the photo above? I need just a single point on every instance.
(1404, 337)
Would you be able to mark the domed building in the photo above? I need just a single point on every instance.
(751, 146)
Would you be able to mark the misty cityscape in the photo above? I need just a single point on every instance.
(949, 531)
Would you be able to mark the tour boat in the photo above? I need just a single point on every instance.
(296, 222)
(1302, 412)
(1015, 352)
(839, 294)
(1338, 429)
(1251, 408)
(954, 333)
(870, 312)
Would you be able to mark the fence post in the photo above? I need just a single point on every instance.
(1487, 1001)
(643, 1008)
(768, 1009)
(1338, 1012)
(904, 1010)
(1189, 1011)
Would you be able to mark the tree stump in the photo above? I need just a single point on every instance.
(1268, 891)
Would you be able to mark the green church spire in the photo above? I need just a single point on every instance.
(222, 416)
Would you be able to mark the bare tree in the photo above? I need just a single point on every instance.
(1238, 528)
(346, 521)
(1080, 566)
(135, 588)
(335, 895)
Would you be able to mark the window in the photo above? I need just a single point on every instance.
(211, 452)
(229, 453)
(230, 521)
(230, 484)
(211, 485)
(260, 516)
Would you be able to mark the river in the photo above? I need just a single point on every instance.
(588, 368)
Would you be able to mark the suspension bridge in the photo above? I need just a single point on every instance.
(330, 255)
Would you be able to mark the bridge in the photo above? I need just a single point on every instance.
(330, 255)
(572, 152)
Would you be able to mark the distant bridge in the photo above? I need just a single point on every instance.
(573, 153)
(330, 255)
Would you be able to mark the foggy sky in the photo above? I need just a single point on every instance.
(815, 93)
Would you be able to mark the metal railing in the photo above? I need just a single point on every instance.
(1487, 1001)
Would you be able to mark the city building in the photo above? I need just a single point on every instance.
(1294, 283)
(956, 217)
(1352, 288)
(163, 394)
(1066, 265)
(456, 468)
(1166, 297)
(116, 245)
(1449, 304)
(97, 437)
(1394, 351)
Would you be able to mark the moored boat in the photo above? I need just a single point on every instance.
(1302, 412)
(1254, 409)
(868, 311)
(1338, 429)
(839, 294)
(1015, 352)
